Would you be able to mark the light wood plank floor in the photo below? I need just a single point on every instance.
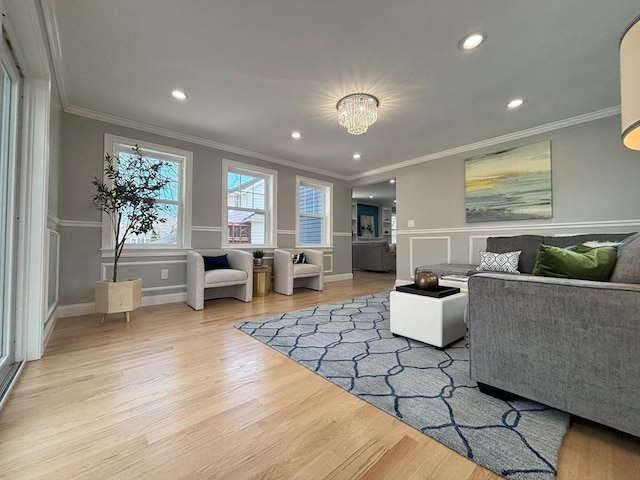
(179, 394)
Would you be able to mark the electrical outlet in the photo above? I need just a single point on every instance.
(411, 223)
(164, 274)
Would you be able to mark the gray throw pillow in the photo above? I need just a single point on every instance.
(499, 262)
(527, 244)
(628, 266)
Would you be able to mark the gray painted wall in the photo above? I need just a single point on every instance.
(80, 256)
(595, 187)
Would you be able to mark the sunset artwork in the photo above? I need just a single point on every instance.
(513, 184)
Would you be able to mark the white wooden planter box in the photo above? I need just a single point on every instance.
(115, 297)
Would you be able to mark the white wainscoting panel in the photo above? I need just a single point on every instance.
(330, 257)
(428, 250)
(476, 243)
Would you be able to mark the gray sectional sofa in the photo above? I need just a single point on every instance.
(570, 344)
(374, 254)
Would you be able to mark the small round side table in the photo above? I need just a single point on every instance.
(261, 280)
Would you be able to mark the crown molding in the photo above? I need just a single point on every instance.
(529, 132)
(165, 132)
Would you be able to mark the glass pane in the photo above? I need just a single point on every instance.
(127, 162)
(245, 226)
(310, 231)
(245, 191)
(163, 233)
(310, 200)
(170, 171)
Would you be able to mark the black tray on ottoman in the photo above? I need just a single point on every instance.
(437, 292)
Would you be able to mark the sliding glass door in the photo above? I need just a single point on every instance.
(9, 98)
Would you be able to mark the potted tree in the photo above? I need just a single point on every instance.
(127, 195)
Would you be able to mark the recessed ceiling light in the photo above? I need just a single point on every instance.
(179, 95)
(471, 41)
(370, 196)
(393, 180)
(357, 156)
(296, 135)
(515, 103)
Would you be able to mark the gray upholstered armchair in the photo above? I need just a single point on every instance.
(287, 275)
(236, 282)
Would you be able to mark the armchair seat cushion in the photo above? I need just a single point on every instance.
(227, 276)
(305, 270)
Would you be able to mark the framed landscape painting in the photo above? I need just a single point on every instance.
(513, 184)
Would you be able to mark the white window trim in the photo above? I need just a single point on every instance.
(143, 250)
(271, 217)
(327, 230)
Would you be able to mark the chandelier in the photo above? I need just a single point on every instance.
(358, 111)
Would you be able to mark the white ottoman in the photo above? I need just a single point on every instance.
(436, 321)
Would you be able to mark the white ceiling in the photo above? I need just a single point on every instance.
(383, 193)
(255, 70)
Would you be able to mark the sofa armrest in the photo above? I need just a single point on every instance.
(315, 257)
(570, 344)
(241, 260)
(195, 280)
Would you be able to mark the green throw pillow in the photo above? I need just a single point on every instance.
(585, 263)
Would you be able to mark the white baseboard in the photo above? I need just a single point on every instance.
(161, 299)
(75, 309)
(50, 326)
(88, 308)
(338, 278)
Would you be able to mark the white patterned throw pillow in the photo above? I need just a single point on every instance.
(499, 262)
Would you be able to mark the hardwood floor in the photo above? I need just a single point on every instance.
(179, 394)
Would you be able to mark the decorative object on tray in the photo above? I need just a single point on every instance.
(257, 257)
(425, 280)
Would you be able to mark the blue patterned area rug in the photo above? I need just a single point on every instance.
(349, 344)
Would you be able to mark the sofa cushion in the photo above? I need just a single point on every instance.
(585, 263)
(299, 258)
(216, 263)
(627, 268)
(565, 241)
(443, 269)
(527, 244)
(499, 262)
(225, 276)
(305, 269)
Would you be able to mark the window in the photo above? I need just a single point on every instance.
(173, 202)
(314, 199)
(249, 205)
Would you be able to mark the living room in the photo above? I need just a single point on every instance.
(83, 101)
